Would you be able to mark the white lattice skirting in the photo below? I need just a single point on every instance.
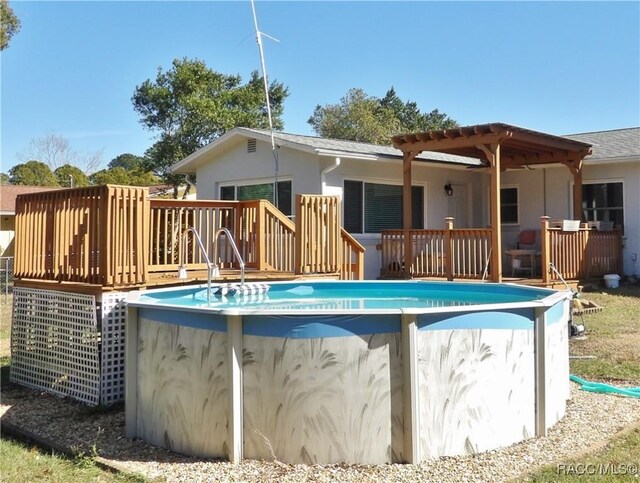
(58, 346)
(113, 318)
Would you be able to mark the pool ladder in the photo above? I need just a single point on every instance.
(212, 270)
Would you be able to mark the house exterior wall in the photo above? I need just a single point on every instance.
(437, 205)
(237, 165)
(541, 191)
(7, 231)
(548, 192)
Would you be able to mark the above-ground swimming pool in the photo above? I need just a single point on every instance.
(345, 372)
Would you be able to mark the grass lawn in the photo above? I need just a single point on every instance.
(618, 462)
(5, 326)
(613, 337)
(24, 463)
(20, 462)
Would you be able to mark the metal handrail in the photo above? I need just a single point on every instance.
(235, 251)
(182, 271)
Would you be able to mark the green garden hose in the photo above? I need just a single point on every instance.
(605, 388)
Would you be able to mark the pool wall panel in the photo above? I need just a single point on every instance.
(323, 400)
(476, 386)
(557, 361)
(182, 396)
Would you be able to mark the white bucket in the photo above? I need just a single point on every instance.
(612, 280)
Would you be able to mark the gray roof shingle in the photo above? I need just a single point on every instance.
(617, 143)
(354, 147)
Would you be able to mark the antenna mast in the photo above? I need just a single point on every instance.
(266, 93)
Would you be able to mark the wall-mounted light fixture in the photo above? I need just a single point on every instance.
(448, 189)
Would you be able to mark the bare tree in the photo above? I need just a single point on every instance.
(55, 151)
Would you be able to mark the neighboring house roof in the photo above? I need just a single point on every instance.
(166, 191)
(160, 189)
(614, 144)
(8, 194)
(314, 144)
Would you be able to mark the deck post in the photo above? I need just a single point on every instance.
(411, 396)
(260, 231)
(448, 254)
(545, 245)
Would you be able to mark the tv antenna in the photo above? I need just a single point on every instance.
(259, 36)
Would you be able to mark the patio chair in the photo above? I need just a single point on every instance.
(525, 252)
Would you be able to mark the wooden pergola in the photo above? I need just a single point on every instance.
(501, 147)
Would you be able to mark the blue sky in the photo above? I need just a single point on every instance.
(556, 67)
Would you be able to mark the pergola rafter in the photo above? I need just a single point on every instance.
(501, 147)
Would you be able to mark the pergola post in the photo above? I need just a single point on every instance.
(407, 218)
(492, 152)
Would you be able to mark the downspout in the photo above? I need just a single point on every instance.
(323, 173)
(190, 183)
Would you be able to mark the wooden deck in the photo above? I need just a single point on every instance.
(106, 238)
(227, 276)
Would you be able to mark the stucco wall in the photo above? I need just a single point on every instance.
(7, 230)
(437, 206)
(304, 170)
(549, 191)
(236, 164)
(542, 191)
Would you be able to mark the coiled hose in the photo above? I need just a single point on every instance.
(605, 388)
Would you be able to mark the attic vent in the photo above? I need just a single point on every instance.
(251, 145)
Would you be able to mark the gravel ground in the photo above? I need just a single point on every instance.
(591, 419)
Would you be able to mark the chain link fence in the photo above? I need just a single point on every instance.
(6, 276)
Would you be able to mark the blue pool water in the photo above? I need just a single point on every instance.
(371, 295)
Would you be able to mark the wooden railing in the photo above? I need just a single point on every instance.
(264, 235)
(94, 235)
(450, 253)
(581, 254)
(352, 263)
(318, 241)
(322, 245)
(168, 221)
(113, 236)
(275, 246)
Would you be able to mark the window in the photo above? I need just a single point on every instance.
(260, 191)
(603, 202)
(373, 207)
(509, 206)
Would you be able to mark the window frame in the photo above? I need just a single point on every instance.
(517, 205)
(381, 181)
(602, 181)
(257, 181)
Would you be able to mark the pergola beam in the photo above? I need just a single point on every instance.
(439, 141)
(502, 147)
